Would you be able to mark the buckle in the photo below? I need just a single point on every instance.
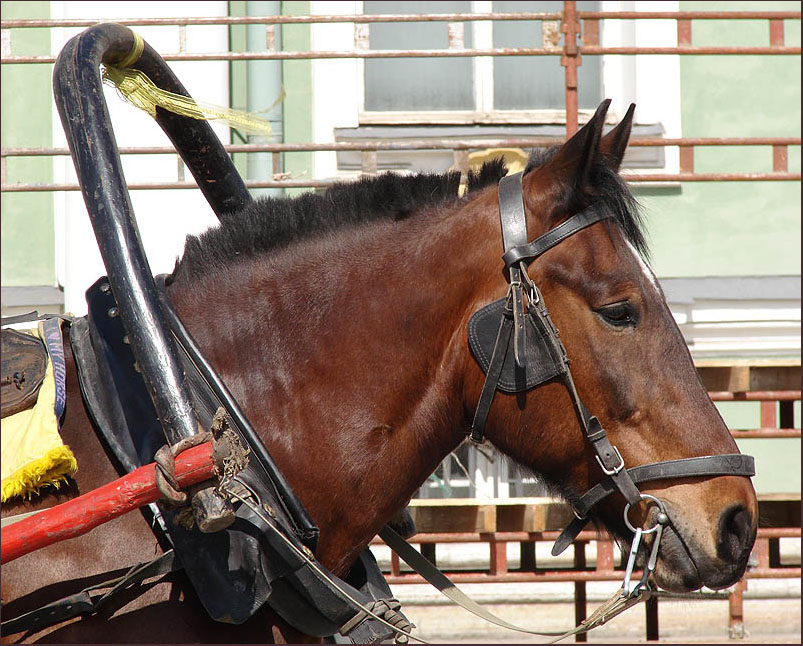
(617, 468)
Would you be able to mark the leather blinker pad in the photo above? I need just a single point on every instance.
(539, 365)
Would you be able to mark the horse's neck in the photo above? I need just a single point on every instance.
(348, 356)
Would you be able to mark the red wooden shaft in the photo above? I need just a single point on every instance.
(82, 514)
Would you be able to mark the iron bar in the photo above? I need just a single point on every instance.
(765, 432)
(368, 18)
(424, 144)
(592, 50)
(325, 183)
(570, 60)
(755, 395)
(568, 576)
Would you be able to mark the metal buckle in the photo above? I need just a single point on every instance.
(617, 468)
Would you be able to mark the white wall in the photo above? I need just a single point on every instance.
(164, 217)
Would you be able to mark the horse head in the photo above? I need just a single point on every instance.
(630, 365)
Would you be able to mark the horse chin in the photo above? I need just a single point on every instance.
(683, 567)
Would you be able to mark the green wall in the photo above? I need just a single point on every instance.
(732, 228)
(27, 256)
(736, 228)
(297, 78)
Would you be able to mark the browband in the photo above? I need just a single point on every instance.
(531, 251)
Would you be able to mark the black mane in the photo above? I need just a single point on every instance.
(270, 223)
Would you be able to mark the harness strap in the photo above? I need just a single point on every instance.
(579, 221)
(612, 607)
(734, 464)
(82, 602)
(439, 580)
(492, 376)
(514, 234)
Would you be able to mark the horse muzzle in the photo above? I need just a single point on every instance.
(688, 560)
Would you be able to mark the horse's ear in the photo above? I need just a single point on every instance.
(613, 145)
(575, 158)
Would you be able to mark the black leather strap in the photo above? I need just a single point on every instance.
(511, 211)
(492, 376)
(514, 233)
(734, 464)
(579, 221)
(83, 602)
(731, 464)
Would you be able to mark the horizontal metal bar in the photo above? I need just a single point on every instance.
(288, 20)
(712, 177)
(755, 395)
(444, 53)
(701, 50)
(549, 535)
(689, 15)
(325, 183)
(369, 18)
(517, 576)
(424, 144)
(765, 432)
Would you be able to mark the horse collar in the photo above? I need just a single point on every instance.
(519, 348)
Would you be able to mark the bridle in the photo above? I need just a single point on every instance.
(536, 340)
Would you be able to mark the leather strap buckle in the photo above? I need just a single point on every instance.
(614, 470)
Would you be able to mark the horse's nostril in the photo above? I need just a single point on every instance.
(736, 534)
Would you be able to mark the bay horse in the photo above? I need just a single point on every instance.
(339, 323)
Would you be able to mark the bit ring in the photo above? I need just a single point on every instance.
(659, 521)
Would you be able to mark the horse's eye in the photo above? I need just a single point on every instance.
(618, 314)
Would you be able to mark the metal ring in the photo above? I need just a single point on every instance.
(662, 509)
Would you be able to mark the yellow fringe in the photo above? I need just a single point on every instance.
(51, 469)
(141, 92)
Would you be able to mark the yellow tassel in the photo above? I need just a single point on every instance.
(51, 469)
(141, 92)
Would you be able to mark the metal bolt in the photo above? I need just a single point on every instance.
(113, 311)
(662, 519)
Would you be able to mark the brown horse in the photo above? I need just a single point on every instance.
(339, 324)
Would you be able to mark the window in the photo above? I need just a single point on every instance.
(477, 89)
(482, 97)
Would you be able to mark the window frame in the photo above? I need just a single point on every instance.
(650, 81)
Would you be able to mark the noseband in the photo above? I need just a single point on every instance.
(519, 348)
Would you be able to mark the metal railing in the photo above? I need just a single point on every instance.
(777, 521)
(580, 32)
